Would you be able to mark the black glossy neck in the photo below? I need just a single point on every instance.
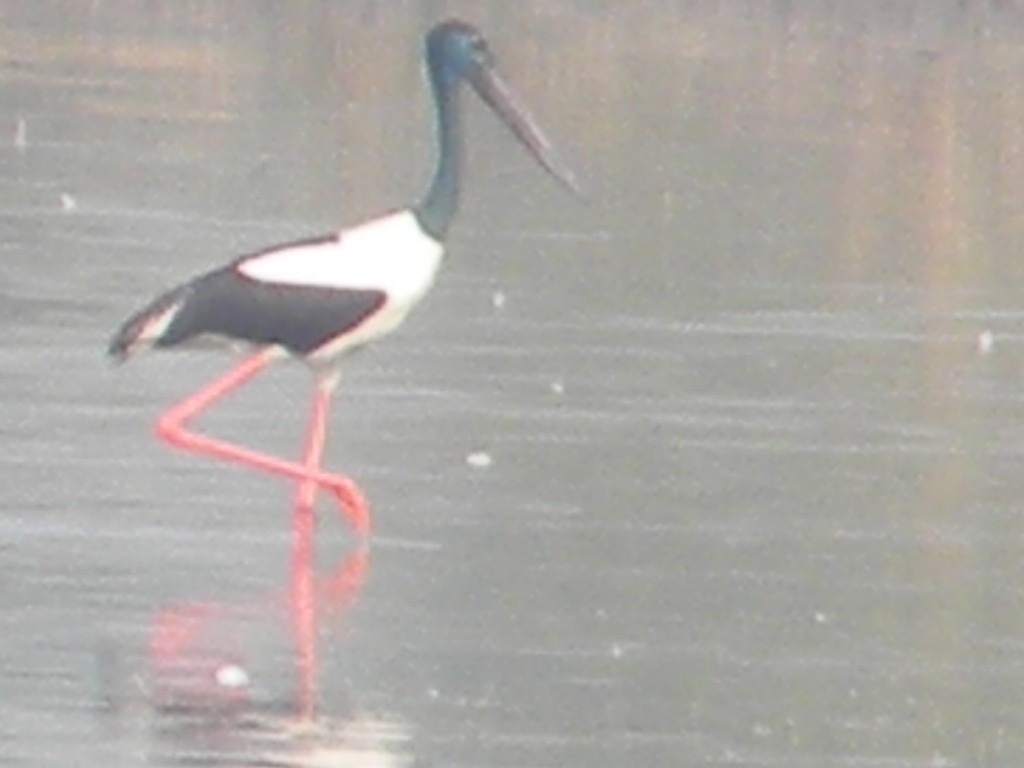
(437, 208)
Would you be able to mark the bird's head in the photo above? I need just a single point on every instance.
(457, 52)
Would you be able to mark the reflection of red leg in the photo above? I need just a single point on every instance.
(191, 644)
(303, 600)
(190, 666)
(175, 630)
(302, 608)
(310, 598)
(172, 428)
(338, 591)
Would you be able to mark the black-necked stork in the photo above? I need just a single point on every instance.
(321, 298)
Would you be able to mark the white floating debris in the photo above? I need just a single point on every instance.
(21, 135)
(479, 459)
(232, 676)
(617, 651)
(820, 617)
(557, 387)
(761, 730)
(986, 340)
(68, 203)
(498, 299)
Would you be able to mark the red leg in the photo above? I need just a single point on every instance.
(305, 497)
(172, 428)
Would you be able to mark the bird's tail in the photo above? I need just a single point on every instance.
(146, 327)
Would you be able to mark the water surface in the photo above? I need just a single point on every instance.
(720, 467)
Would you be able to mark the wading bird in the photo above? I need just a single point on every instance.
(321, 298)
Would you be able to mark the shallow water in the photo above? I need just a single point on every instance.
(718, 467)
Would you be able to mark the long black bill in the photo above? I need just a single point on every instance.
(496, 93)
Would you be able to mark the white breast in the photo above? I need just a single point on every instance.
(391, 254)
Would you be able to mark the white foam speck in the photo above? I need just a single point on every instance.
(479, 459)
(21, 135)
(986, 340)
(232, 676)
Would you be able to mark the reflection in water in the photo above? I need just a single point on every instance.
(206, 695)
(803, 545)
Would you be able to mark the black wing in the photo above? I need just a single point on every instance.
(227, 304)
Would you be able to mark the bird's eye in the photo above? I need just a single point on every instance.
(481, 51)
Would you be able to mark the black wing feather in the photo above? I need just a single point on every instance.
(227, 304)
(298, 317)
